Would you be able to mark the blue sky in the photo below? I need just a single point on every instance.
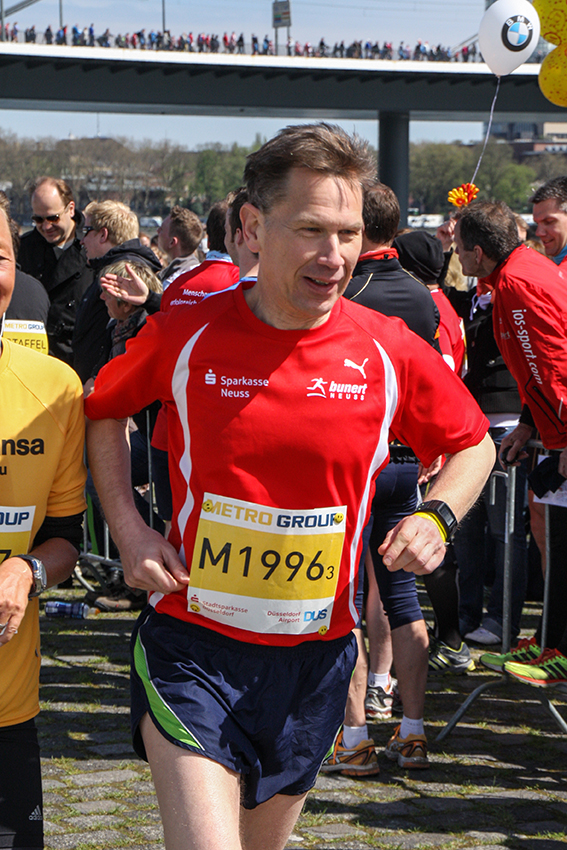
(437, 21)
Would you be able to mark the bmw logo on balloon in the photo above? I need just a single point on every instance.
(517, 32)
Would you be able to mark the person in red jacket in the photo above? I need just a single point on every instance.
(216, 272)
(530, 328)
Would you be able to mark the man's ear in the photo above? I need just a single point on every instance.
(71, 208)
(478, 254)
(103, 234)
(252, 220)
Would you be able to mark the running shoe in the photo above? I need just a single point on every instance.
(410, 752)
(548, 670)
(359, 761)
(524, 652)
(484, 636)
(378, 703)
(443, 659)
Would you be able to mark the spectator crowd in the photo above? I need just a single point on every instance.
(232, 44)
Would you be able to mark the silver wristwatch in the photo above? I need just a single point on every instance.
(38, 572)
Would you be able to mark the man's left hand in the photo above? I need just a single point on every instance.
(16, 582)
(414, 545)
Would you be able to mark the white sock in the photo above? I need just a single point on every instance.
(411, 727)
(379, 680)
(353, 735)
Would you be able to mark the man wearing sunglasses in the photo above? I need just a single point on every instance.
(52, 253)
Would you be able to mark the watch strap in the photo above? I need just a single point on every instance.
(38, 572)
(443, 513)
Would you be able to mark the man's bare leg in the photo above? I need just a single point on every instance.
(411, 656)
(269, 825)
(199, 799)
(354, 712)
(377, 625)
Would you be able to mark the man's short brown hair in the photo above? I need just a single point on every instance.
(490, 225)
(553, 190)
(63, 189)
(323, 148)
(381, 214)
(236, 201)
(118, 219)
(186, 227)
(215, 227)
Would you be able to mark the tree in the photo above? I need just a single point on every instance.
(435, 169)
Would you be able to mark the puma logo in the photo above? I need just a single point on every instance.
(353, 365)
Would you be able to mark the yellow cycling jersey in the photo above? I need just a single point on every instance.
(41, 474)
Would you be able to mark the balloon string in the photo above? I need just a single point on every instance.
(487, 129)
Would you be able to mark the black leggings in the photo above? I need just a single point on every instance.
(557, 609)
(21, 802)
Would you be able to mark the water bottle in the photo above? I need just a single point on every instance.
(77, 610)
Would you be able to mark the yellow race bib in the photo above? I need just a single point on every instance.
(15, 530)
(29, 334)
(265, 569)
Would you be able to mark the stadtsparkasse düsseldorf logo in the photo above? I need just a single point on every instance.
(517, 32)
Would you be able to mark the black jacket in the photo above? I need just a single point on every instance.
(65, 278)
(384, 286)
(29, 301)
(90, 337)
(488, 378)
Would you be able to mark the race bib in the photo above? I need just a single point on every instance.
(264, 569)
(15, 530)
(29, 334)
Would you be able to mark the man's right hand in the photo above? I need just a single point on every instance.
(150, 562)
(512, 445)
(445, 233)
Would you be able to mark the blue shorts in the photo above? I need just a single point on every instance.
(395, 498)
(269, 713)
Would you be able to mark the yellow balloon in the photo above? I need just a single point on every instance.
(553, 76)
(552, 17)
(553, 71)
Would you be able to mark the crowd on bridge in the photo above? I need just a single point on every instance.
(316, 396)
(202, 42)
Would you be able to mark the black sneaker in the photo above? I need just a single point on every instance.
(443, 659)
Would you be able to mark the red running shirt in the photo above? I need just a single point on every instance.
(275, 437)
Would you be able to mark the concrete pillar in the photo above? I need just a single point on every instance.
(393, 156)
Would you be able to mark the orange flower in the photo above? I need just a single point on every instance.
(463, 195)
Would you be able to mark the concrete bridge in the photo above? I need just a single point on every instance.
(94, 79)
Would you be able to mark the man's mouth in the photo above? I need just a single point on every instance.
(319, 282)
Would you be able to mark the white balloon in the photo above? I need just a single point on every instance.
(508, 35)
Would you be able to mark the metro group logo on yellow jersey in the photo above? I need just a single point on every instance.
(29, 334)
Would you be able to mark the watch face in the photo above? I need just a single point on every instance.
(39, 574)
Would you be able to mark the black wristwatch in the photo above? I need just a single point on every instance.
(443, 513)
(38, 572)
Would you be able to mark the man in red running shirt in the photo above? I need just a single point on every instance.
(242, 659)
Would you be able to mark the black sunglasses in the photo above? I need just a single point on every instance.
(39, 219)
(88, 229)
(53, 219)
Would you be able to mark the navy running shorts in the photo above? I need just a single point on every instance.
(269, 713)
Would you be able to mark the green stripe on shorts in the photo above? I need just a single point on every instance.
(166, 718)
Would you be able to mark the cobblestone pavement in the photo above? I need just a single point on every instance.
(498, 781)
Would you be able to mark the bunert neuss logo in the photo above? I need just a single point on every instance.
(517, 32)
